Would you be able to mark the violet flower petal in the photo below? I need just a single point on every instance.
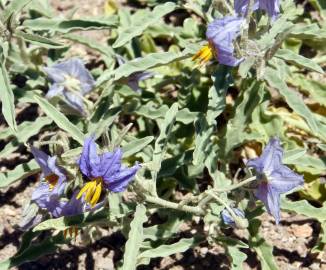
(120, 181)
(221, 33)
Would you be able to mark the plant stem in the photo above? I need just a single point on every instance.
(235, 186)
(167, 204)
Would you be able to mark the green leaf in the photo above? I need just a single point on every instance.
(292, 155)
(304, 208)
(140, 64)
(135, 238)
(65, 26)
(20, 172)
(135, 146)
(39, 40)
(202, 141)
(7, 98)
(60, 119)
(163, 231)
(24, 131)
(297, 59)
(161, 141)
(82, 220)
(237, 256)
(15, 6)
(291, 97)
(247, 102)
(138, 26)
(315, 89)
(99, 124)
(35, 251)
(265, 254)
(167, 250)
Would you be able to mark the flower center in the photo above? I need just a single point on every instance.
(205, 54)
(52, 179)
(71, 83)
(93, 190)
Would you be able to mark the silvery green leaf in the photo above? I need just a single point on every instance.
(140, 64)
(167, 250)
(60, 119)
(39, 40)
(162, 140)
(140, 24)
(135, 146)
(25, 130)
(7, 98)
(18, 173)
(304, 208)
(292, 155)
(135, 238)
(14, 6)
(291, 97)
(247, 102)
(297, 59)
(65, 26)
(238, 257)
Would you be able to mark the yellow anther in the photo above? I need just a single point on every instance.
(52, 179)
(205, 54)
(93, 190)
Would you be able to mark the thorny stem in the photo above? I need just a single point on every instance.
(167, 204)
(208, 196)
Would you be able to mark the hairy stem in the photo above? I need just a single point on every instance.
(167, 204)
(235, 186)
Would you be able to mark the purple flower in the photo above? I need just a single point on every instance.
(228, 219)
(272, 7)
(72, 80)
(134, 79)
(221, 34)
(274, 177)
(53, 174)
(104, 171)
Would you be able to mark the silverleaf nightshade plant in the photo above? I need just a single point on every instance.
(104, 172)
(274, 178)
(72, 80)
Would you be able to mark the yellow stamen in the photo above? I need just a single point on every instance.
(52, 179)
(97, 194)
(93, 191)
(205, 54)
(65, 233)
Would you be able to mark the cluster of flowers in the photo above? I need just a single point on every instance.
(221, 33)
(103, 172)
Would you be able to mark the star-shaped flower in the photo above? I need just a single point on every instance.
(72, 80)
(274, 177)
(221, 34)
(104, 171)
